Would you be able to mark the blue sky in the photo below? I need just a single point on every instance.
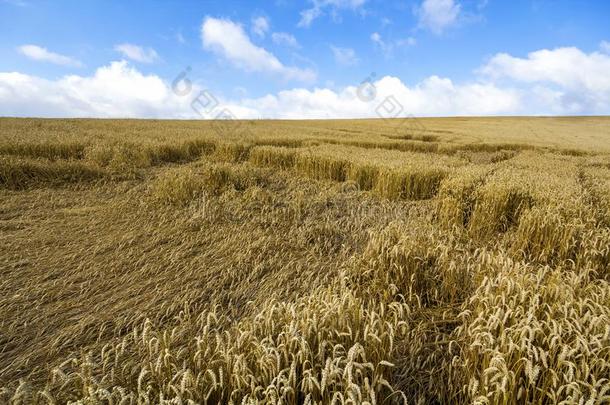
(304, 59)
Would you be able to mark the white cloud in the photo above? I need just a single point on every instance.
(605, 46)
(318, 6)
(260, 26)
(229, 40)
(377, 40)
(388, 47)
(38, 53)
(116, 90)
(137, 53)
(119, 90)
(560, 81)
(286, 39)
(344, 56)
(433, 96)
(438, 15)
(580, 81)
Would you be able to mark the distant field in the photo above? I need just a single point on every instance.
(440, 260)
(571, 133)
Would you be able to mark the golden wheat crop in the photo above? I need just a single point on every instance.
(310, 262)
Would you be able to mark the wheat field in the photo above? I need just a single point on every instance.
(441, 260)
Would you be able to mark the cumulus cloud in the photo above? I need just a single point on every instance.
(605, 46)
(285, 39)
(580, 81)
(137, 53)
(229, 40)
(119, 90)
(344, 56)
(438, 15)
(318, 7)
(433, 96)
(116, 90)
(41, 54)
(260, 26)
(560, 81)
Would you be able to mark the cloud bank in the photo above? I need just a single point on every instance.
(545, 82)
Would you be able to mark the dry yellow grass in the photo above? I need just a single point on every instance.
(305, 261)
